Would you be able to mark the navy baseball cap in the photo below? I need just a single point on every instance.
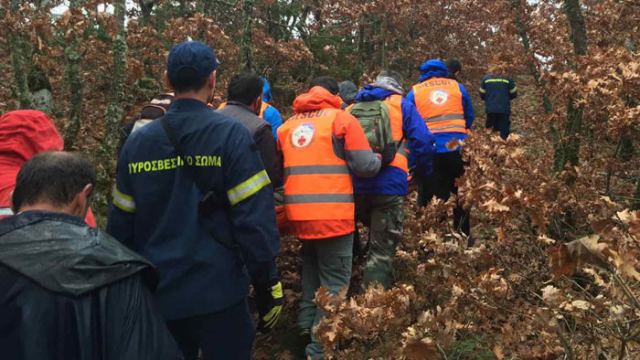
(190, 60)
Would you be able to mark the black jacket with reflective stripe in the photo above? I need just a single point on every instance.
(497, 93)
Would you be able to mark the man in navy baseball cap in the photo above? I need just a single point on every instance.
(191, 67)
(192, 195)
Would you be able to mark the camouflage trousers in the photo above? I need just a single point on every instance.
(383, 215)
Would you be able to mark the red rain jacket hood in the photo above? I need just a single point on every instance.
(317, 98)
(23, 134)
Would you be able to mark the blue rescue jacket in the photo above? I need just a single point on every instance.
(391, 180)
(497, 93)
(271, 114)
(155, 210)
(437, 68)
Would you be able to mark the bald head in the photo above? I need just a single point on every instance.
(54, 181)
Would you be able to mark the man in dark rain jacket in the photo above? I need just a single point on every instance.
(67, 291)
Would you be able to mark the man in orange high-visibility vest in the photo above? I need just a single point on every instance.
(321, 146)
(446, 107)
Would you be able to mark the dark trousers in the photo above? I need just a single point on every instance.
(499, 122)
(447, 167)
(226, 334)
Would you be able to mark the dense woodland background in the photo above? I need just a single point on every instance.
(554, 276)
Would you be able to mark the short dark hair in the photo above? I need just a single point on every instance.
(245, 88)
(454, 65)
(56, 177)
(188, 80)
(327, 82)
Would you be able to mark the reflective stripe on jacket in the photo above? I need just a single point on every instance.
(439, 101)
(317, 183)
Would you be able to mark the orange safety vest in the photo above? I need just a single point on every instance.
(317, 182)
(263, 107)
(439, 101)
(394, 104)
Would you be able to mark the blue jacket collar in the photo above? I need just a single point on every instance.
(188, 104)
(372, 93)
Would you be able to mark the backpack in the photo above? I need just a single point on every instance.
(156, 108)
(374, 118)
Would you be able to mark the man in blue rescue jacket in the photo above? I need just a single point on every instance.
(380, 200)
(193, 197)
(270, 113)
(446, 107)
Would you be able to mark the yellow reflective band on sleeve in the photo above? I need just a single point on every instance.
(123, 202)
(276, 291)
(513, 90)
(248, 187)
(497, 81)
(483, 90)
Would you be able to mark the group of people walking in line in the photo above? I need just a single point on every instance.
(201, 200)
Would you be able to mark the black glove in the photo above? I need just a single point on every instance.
(269, 301)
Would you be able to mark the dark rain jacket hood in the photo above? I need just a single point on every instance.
(61, 254)
(69, 292)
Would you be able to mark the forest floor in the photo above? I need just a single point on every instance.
(285, 342)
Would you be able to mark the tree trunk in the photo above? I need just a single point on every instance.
(184, 8)
(626, 148)
(73, 75)
(247, 35)
(114, 113)
(577, 25)
(383, 41)
(361, 37)
(17, 47)
(636, 197)
(568, 149)
(161, 17)
(146, 6)
(523, 32)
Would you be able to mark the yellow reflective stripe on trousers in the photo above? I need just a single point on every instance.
(123, 201)
(513, 90)
(248, 187)
(482, 91)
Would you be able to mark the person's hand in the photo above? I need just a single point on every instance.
(269, 301)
